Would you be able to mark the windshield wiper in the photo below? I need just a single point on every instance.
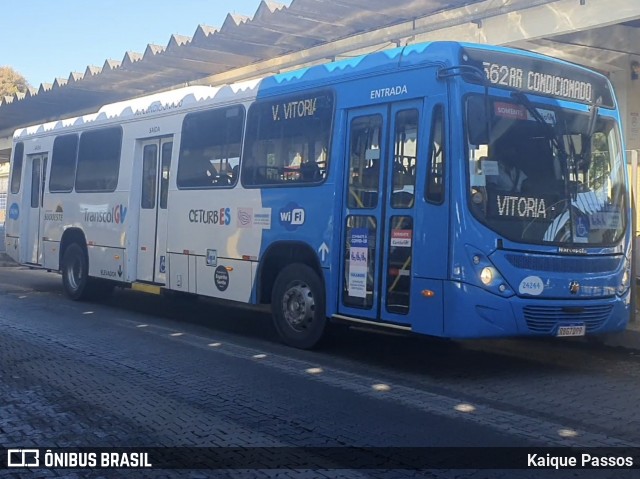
(570, 192)
(593, 117)
(551, 134)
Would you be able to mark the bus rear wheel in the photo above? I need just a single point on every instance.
(298, 306)
(75, 273)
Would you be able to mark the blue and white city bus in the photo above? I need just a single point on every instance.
(445, 189)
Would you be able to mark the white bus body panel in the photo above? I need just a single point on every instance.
(205, 225)
(106, 262)
(111, 222)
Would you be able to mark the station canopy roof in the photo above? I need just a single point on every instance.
(276, 38)
(273, 31)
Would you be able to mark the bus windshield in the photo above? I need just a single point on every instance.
(544, 175)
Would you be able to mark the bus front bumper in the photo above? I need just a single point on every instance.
(472, 312)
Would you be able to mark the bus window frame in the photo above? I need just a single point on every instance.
(438, 113)
(243, 112)
(75, 163)
(117, 172)
(16, 174)
(281, 99)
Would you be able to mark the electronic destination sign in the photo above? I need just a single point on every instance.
(539, 76)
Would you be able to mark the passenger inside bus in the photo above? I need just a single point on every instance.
(310, 171)
(521, 160)
(509, 177)
(210, 171)
(225, 175)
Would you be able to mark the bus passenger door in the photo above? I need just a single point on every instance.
(363, 215)
(399, 210)
(152, 228)
(33, 247)
(379, 217)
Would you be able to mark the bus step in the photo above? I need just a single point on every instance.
(146, 288)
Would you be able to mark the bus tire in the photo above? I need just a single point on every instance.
(298, 306)
(75, 273)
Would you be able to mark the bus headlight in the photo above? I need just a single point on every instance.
(486, 275)
(625, 281)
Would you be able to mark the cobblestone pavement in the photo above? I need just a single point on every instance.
(142, 371)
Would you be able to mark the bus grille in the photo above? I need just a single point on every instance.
(542, 319)
(578, 264)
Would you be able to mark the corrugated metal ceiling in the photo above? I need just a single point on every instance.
(278, 37)
(273, 31)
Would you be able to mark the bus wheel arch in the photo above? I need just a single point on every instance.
(291, 279)
(69, 237)
(74, 266)
(277, 257)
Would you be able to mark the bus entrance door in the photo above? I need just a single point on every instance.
(152, 232)
(33, 248)
(379, 216)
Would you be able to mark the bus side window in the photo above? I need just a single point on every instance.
(165, 166)
(210, 148)
(36, 170)
(364, 161)
(16, 168)
(434, 192)
(404, 159)
(149, 177)
(287, 141)
(99, 160)
(63, 163)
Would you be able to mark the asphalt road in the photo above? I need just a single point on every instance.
(146, 371)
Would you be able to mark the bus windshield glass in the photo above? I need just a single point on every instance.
(544, 175)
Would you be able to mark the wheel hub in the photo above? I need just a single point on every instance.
(74, 274)
(298, 306)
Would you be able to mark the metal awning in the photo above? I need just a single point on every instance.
(279, 38)
(274, 30)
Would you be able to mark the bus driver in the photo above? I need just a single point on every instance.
(509, 177)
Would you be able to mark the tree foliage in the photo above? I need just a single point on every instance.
(11, 82)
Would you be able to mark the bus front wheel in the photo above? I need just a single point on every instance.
(298, 306)
(75, 272)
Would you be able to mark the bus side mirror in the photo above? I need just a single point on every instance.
(477, 121)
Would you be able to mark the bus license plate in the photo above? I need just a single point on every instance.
(572, 330)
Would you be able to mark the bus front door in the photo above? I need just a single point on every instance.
(379, 218)
(34, 252)
(152, 229)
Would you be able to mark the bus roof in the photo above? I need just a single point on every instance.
(159, 103)
(444, 52)
(155, 104)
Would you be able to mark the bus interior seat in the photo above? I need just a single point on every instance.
(310, 171)
(403, 189)
(223, 180)
(370, 176)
